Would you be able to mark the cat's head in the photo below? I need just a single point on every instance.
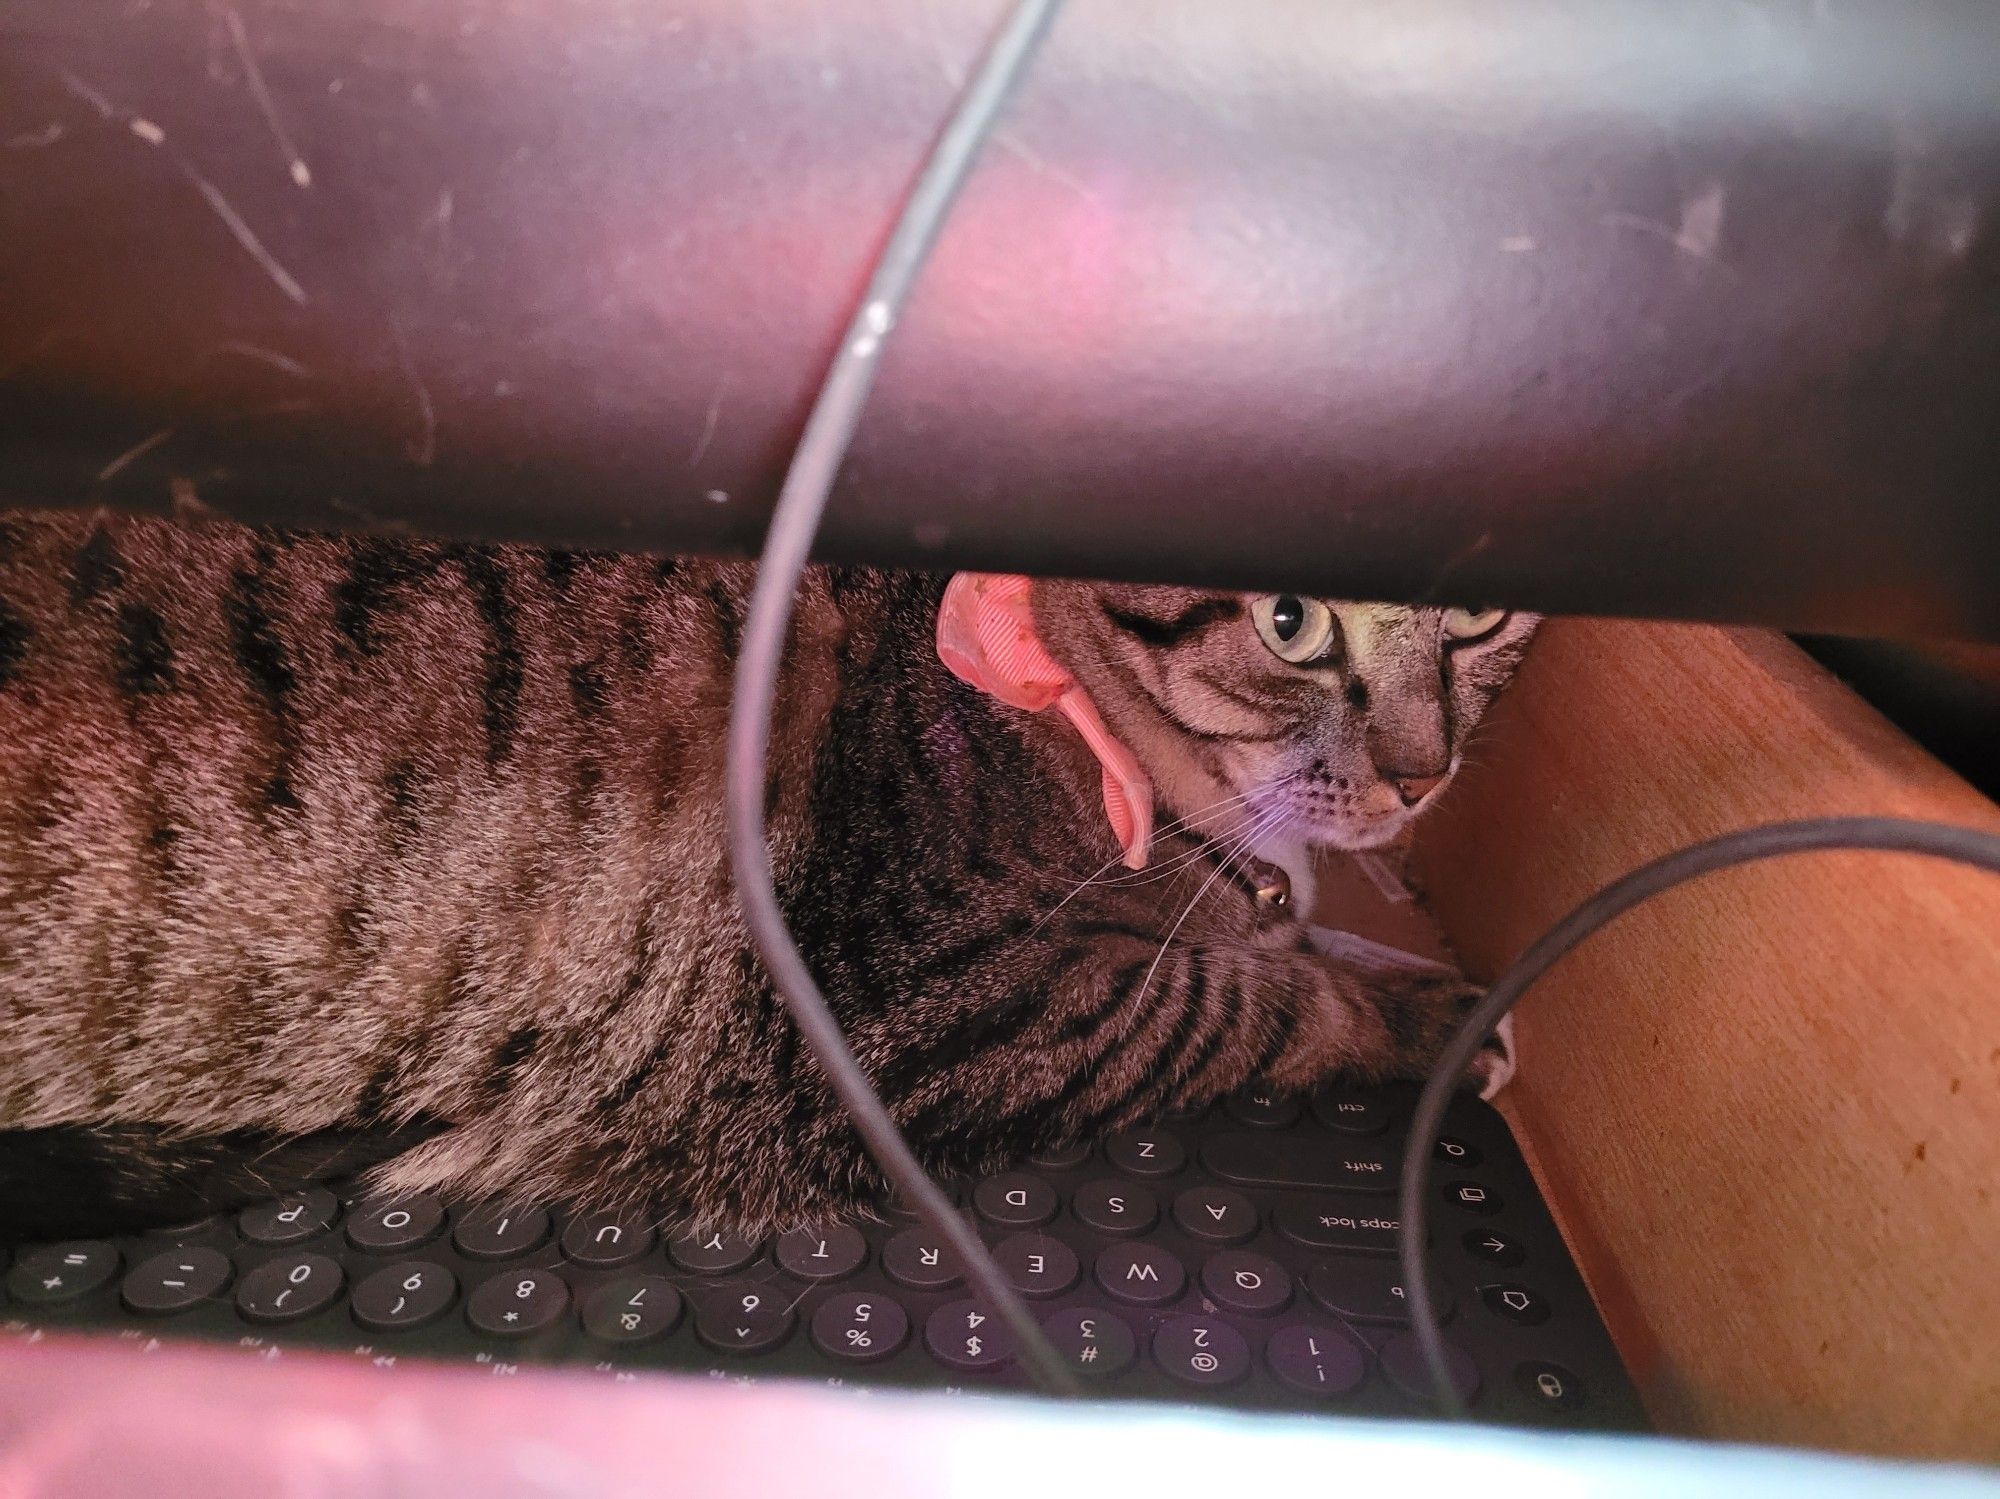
(1327, 722)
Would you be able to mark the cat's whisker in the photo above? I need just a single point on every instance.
(1245, 838)
(1171, 828)
(1160, 872)
(1181, 823)
(1257, 830)
(1144, 876)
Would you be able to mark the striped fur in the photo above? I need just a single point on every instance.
(303, 836)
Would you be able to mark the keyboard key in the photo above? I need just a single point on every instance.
(62, 1272)
(1015, 1201)
(186, 1230)
(1037, 1264)
(1402, 1359)
(1302, 1161)
(1454, 1150)
(1550, 1386)
(1201, 1351)
(1141, 1273)
(822, 1254)
(1345, 1225)
(1262, 1110)
(404, 1296)
(1097, 1343)
(1315, 1360)
(515, 1303)
(1115, 1207)
(292, 1219)
(916, 1259)
(1369, 1291)
(1493, 1246)
(708, 1251)
(176, 1281)
(605, 1241)
(1246, 1282)
(1216, 1214)
(384, 1225)
(896, 1204)
(1516, 1303)
(860, 1326)
(493, 1232)
(1472, 1198)
(742, 1318)
(632, 1309)
(963, 1335)
(1146, 1152)
(1062, 1157)
(1352, 1111)
(291, 1287)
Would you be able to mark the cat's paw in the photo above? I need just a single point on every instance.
(1494, 1066)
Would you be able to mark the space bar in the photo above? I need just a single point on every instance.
(1281, 1161)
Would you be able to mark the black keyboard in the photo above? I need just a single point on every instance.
(1243, 1258)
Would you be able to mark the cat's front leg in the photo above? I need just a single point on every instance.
(1329, 1020)
(1127, 1030)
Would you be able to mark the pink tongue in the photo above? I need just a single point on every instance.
(986, 635)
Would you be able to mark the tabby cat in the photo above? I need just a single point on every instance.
(319, 851)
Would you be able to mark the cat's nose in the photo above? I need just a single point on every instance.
(1413, 789)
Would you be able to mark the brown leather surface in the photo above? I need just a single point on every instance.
(1598, 305)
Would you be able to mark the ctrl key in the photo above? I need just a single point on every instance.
(62, 1272)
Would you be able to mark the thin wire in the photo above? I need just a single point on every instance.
(1875, 834)
(828, 433)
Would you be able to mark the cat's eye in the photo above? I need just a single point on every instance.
(1471, 624)
(1297, 630)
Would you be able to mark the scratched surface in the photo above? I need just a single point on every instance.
(1598, 305)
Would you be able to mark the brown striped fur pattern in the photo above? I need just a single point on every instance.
(305, 833)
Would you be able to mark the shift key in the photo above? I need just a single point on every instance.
(1311, 1164)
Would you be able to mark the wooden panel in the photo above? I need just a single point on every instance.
(1767, 1106)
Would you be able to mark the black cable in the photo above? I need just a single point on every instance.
(1879, 834)
(828, 433)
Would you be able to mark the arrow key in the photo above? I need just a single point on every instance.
(963, 1335)
(1495, 1247)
